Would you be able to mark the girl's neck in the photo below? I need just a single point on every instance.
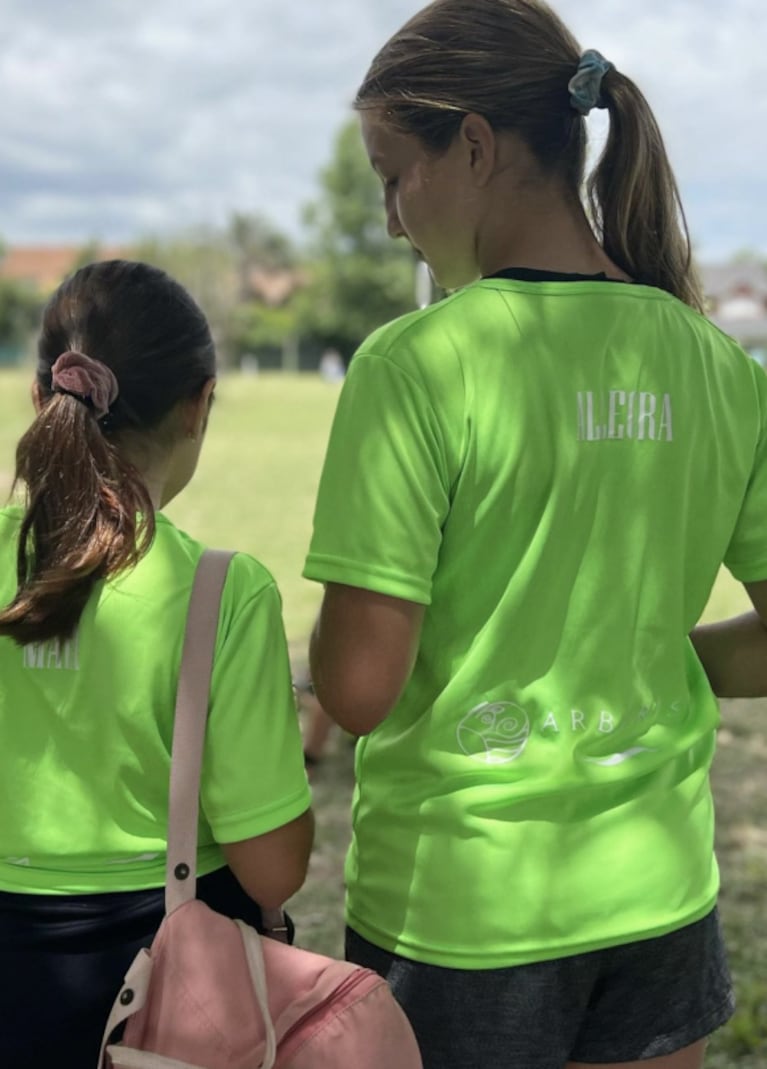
(547, 230)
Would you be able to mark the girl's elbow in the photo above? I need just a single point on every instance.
(359, 716)
(275, 894)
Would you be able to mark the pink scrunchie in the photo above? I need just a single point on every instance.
(86, 378)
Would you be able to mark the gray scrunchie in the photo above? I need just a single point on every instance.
(586, 84)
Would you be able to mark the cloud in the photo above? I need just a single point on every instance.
(121, 118)
(700, 64)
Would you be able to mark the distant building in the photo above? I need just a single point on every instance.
(737, 301)
(42, 267)
(274, 286)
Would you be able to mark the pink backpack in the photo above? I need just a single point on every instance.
(211, 993)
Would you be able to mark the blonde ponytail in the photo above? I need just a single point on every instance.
(634, 199)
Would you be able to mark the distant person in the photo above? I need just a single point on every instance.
(97, 583)
(528, 492)
(332, 366)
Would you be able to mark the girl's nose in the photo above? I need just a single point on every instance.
(393, 225)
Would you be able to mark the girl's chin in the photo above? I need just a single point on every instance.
(451, 279)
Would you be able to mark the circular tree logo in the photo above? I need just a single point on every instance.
(494, 732)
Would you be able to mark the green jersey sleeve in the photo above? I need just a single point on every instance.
(384, 491)
(746, 554)
(253, 778)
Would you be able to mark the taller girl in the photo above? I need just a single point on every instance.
(528, 492)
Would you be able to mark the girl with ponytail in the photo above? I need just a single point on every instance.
(528, 492)
(95, 582)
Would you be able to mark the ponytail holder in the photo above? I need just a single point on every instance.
(89, 380)
(586, 84)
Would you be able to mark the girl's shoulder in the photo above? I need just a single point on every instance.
(10, 522)
(424, 327)
(11, 516)
(246, 576)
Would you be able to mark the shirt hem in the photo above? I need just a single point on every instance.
(146, 878)
(472, 960)
(247, 826)
(321, 569)
(748, 573)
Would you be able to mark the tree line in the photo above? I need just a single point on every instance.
(269, 298)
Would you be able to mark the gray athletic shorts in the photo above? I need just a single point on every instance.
(623, 1004)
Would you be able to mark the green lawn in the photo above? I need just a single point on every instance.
(254, 491)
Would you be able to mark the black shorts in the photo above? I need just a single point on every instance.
(623, 1004)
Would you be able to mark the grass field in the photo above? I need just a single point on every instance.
(254, 491)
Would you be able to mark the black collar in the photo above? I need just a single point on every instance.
(532, 274)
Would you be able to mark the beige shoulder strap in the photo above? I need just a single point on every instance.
(192, 698)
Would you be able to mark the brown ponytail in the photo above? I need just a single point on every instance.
(89, 515)
(634, 198)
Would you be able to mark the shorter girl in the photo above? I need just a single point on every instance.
(97, 585)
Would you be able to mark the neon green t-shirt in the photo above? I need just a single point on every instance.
(87, 726)
(556, 469)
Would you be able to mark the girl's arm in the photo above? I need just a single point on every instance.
(362, 652)
(734, 652)
(272, 867)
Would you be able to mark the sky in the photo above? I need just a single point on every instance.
(120, 120)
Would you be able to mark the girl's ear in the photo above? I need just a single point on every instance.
(196, 416)
(479, 141)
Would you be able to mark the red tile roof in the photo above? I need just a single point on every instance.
(44, 266)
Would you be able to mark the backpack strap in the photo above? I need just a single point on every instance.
(192, 699)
